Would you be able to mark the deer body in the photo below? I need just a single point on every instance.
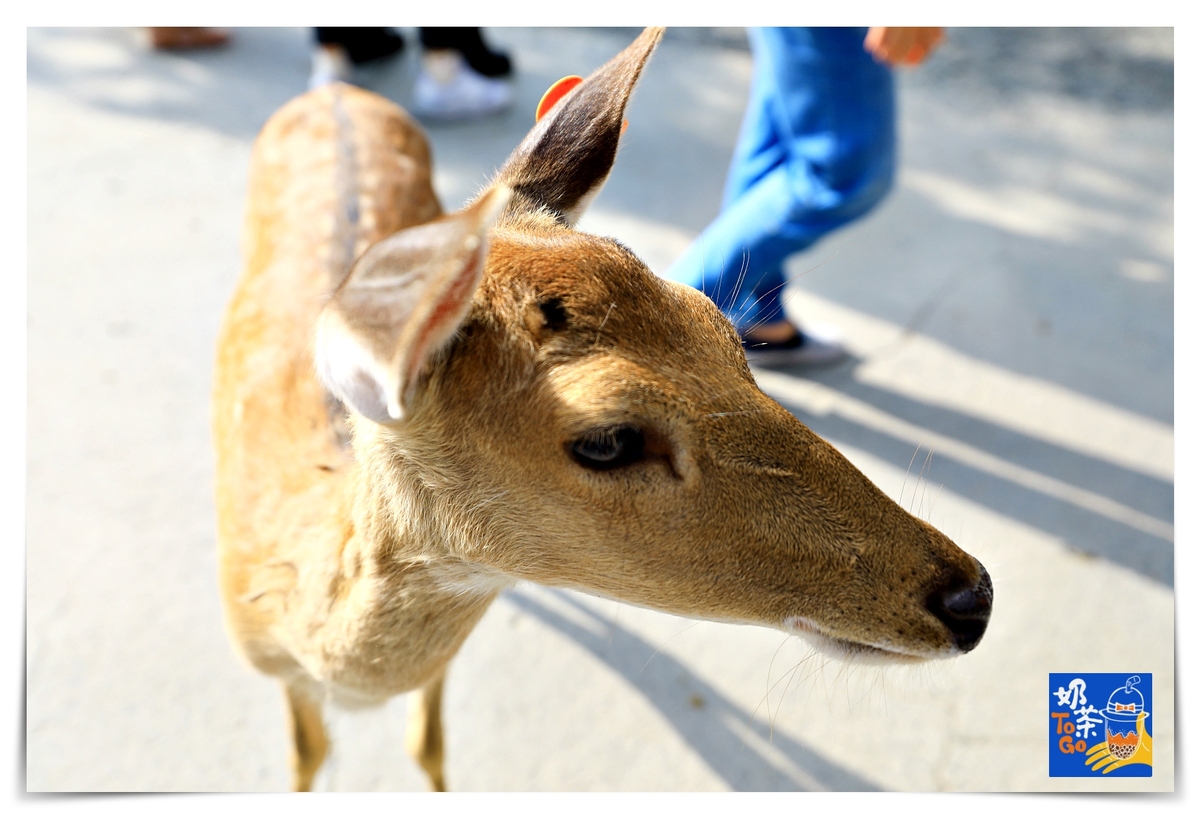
(502, 398)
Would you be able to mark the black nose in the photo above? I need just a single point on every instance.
(964, 609)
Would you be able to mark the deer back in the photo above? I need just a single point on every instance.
(332, 172)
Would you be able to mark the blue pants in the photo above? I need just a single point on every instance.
(816, 150)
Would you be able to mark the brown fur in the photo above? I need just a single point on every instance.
(474, 350)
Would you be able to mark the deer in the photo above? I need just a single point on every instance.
(414, 410)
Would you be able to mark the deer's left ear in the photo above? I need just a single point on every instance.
(564, 160)
(403, 301)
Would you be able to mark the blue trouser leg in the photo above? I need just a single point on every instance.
(816, 150)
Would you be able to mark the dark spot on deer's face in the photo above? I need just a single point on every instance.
(554, 314)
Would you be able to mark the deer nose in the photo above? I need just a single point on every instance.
(964, 609)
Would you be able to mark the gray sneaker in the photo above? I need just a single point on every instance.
(812, 347)
(448, 89)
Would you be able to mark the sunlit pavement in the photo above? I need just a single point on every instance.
(1009, 311)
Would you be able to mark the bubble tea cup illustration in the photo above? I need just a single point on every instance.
(1125, 708)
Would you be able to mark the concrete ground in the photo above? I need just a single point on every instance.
(1010, 311)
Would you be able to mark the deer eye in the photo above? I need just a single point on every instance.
(609, 448)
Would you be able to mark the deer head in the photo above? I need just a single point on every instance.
(530, 402)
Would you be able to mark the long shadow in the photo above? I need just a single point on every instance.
(1082, 529)
(707, 728)
(1099, 333)
(1150, 495)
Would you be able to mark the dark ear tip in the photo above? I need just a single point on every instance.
(639, 50)
(570, 151)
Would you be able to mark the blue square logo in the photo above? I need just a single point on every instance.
(1101, 725)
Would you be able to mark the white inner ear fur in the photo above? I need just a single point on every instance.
(576, 213)
(436, 321)
(380, 389)
(352, 374)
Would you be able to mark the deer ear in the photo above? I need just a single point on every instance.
(402, 301)
(565, 159)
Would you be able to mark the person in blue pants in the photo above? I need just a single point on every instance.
(816, 150)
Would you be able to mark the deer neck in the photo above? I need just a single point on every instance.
(402, 599)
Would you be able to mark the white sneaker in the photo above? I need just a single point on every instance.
(814, 346)
(447, 88)
(330, 64)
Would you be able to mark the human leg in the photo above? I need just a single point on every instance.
(470, 43)
(362, 45)
(815, 152)
(340, 49)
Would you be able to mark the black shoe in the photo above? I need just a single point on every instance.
(363, 45)
(469, 41)
(804, 349)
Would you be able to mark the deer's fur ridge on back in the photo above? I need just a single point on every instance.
(524, 402)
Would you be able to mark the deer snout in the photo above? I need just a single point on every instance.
(964, 609)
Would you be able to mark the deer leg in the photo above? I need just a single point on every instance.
(423, 737)
(309, 744)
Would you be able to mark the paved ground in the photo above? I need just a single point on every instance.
(1010, 308)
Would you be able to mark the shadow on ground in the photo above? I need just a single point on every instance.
(1081, 529)
(712, 725)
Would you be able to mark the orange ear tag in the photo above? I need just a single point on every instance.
(556, 92)
(559, 90)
